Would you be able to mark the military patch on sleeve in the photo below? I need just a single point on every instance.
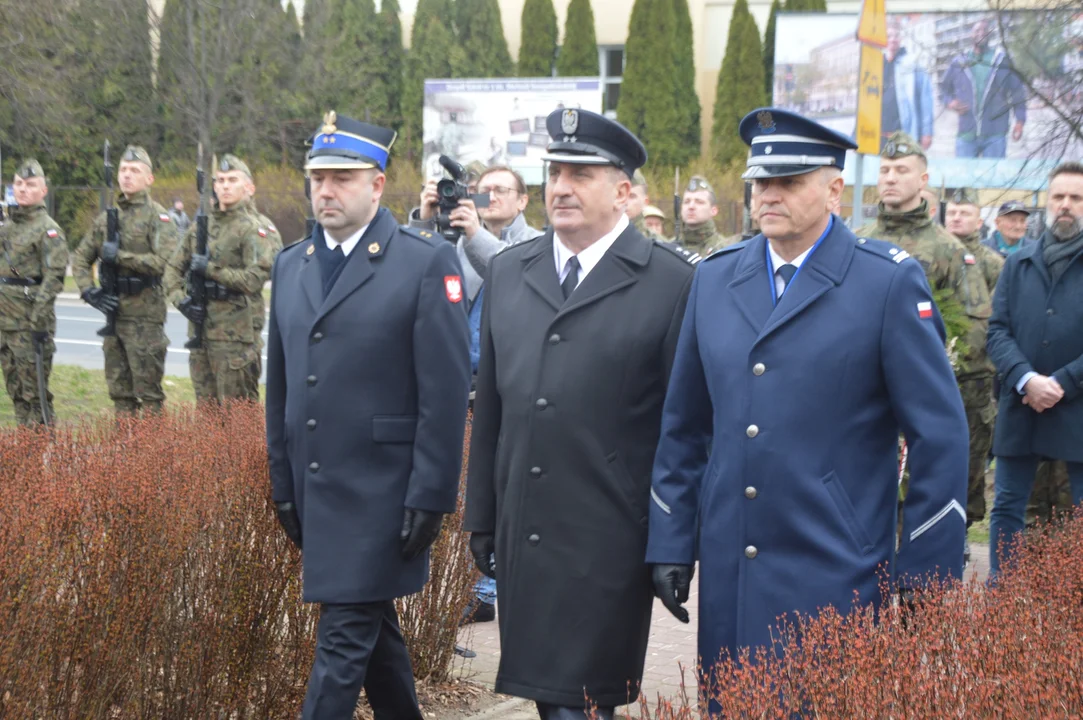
(925, 310)
(163, 217)
(453, 286)
(262, 232)
(969, 259)
(51, 232)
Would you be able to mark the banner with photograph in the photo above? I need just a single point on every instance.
(987, 94)
(499, 121)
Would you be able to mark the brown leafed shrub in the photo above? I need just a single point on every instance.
(1013, 651)
(143, 575)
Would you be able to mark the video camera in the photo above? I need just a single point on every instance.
(448, 193)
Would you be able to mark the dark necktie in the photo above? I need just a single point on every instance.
(572, 278)
(786, 272)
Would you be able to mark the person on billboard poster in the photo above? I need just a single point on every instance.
(907, 102)
(982, 88)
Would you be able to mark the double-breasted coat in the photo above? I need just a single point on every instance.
(777, 464)
(566, 420)
(366, 403)
(1037, 326)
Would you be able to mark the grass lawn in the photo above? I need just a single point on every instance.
(78, 392)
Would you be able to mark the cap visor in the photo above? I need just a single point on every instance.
(576, 159)
(1014, 210)
(332, 162)
(757, 172)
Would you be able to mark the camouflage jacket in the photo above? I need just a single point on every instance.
(702, 238)
(33, 246)
(148, 237)
(943, 258)
(989, 261)
(639, 223)
(274, 244)
(240, 260)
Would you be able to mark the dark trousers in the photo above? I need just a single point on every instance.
(1012, 487)
(559, 712)
(360, 646)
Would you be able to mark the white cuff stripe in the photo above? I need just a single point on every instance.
(658, 501)
(953, 505)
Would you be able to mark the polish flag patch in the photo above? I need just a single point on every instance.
(262, 232)
(163, 218)
(925, 309)
(969, 259)
(453, 286)
(51, 233)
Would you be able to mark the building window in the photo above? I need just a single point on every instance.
(611, 70)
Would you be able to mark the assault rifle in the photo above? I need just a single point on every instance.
(197, 281)
(107, 270)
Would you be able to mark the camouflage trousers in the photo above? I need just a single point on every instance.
(224, 370)
(135, 364)
(19, 363)
(981, 413)
(1051, 498)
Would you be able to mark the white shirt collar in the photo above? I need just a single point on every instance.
(348, 244)
(589, 257)
(777, 261)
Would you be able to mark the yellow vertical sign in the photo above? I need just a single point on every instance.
(872, 27)
(870, 87)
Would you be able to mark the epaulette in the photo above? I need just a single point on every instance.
(689, 256)
(517, 243)
(728, 249)
(290, 246)
(426, 236)
(883, 249)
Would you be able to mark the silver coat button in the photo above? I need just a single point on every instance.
(758, 369)
(751, 552)
(750, 492)
(752, 431)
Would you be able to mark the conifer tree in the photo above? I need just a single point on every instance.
(481, 37)
(647, 103)
(740, 85)
(538, 46)
(769, 51)
(579, 54)
(433, 54)
(687, 100)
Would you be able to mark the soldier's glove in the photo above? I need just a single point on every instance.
(97, 299)
(420, 528)
(287, 518)
(199, 264)
(109, 252)
(671, 585)
(483, 548)
(40, 337)
(188, 308)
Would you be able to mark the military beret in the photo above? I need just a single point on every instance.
(900, 145)
(1012, 206)
(653, 211)
(582, 137)
(963, 196)
(343, 143)
(134, 153)
(29, 168)
(784, 143)
(231, 163)
(638, 180)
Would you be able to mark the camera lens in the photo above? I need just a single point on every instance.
(446, 190)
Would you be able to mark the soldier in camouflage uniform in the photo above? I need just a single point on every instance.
(963, 218)
(904, 220)
(273, 240)
(135, 355)
(237, 264)
(34, 260)
(699, 206)
(638, 199)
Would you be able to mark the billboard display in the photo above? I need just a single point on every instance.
(498, 121)
(970, 87)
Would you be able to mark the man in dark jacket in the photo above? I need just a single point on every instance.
(1036, 343)
(577, 338)
(983, 90)
(368, 372)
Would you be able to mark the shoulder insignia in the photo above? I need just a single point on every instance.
(728, 249)
(421, 234)
(163, 217)
(883, 249)
(517, 243)
(51, 232)
(689, 256)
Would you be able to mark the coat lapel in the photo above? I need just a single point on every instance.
(358, 268)
(311, 279)
(539, 271)
(1033, 253)
(614, 271)
(821, 271)
(749, 286)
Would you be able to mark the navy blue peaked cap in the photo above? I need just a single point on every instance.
(586, 138)
(343, 143)
(785, 143)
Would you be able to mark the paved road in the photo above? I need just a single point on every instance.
(77, 341)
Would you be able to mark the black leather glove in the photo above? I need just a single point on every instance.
(287, 518)
(483, 548)
(199, 264)
(195, 313)
(420, 528)
(109, 252)
(671, 585)
(40, 337)
(97, 299)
